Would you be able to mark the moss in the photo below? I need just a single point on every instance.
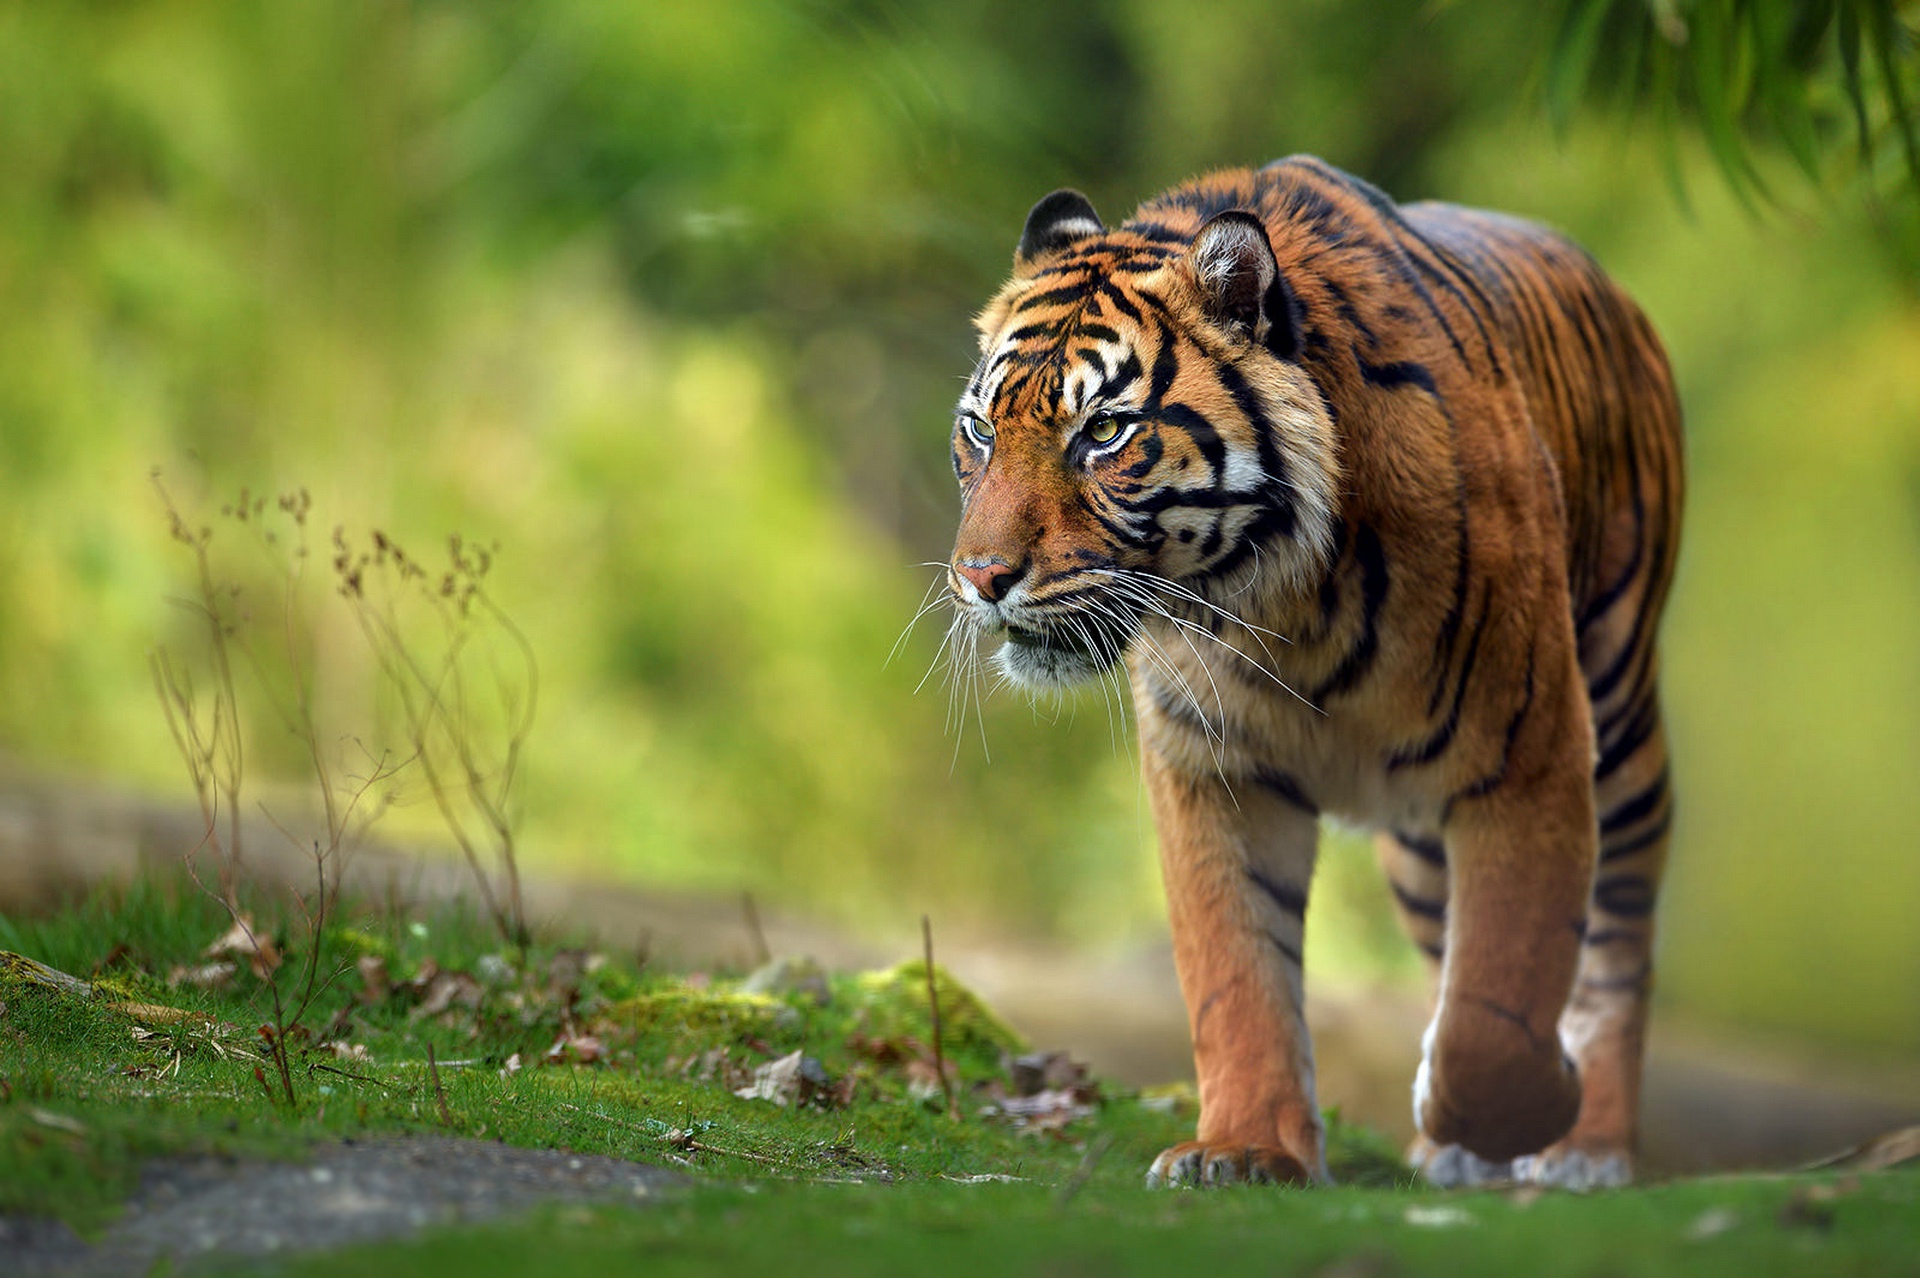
(892, 1004)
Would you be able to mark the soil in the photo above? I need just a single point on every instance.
(198, 1212)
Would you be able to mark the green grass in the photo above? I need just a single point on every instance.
(872, 1180)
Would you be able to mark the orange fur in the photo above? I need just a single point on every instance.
(1379, 506)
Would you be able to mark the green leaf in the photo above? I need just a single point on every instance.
(1570, 61)
(1847, 35)
(1885, 32)
(1780, 85)
(1715, 48)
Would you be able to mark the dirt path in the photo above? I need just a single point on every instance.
(199, 1211)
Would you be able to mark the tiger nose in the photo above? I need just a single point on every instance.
(993, 578)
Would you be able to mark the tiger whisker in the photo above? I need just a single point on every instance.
(928, 602)
(1154, 608)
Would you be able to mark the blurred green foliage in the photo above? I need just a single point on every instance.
(1835, 84)
(671, 302)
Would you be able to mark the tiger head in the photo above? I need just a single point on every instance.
(1138, 444)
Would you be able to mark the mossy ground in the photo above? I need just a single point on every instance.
(864, 1172)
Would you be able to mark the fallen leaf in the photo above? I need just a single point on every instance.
(795, 1079)
(1045, 1111)
(217, 975)
(575, 1049)
(1711, 1223)
(244, 941)
(1436, 1217)
(444, 990)
(158, 1014)
(58, 1122)
(1038, 1072)
(985, 1178)
(375, 984)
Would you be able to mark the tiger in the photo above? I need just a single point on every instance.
(1375, 508)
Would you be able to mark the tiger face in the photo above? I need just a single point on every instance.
(1136, 444)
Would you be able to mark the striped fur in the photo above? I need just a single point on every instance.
(1378, 505)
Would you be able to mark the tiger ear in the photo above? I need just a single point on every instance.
(1056, 222)
(1239, 282)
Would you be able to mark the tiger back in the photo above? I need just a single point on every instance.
(1377, 507)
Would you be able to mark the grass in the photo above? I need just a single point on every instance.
(870, 1175)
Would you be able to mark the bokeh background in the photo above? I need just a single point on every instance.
(671, 302)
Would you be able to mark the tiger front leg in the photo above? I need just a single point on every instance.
(1236, 862)
(1494, 1078)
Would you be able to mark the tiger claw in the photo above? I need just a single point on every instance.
(1194, 1164)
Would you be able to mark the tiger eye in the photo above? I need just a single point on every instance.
(1103, 430)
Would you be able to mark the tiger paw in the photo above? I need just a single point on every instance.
(1562, 1167)
(1195, 1163)
(1453, 1167)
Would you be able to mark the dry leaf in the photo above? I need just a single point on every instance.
(375, 985)
(1442, 1217)
(1038, 1072)
(244, 941)
(444, 990)
(1045, 1111)
(58, 1122)
(1711, 1223)
(575, 1049)
(217, 975)
(794, 1079)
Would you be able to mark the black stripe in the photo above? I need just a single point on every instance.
(1277, 491)
(1287, 950)
(1628, 896)
(1403, 373)
(1432, 851)
(1158, 232)
(1180, 708)
(1457, 606)
(1124, 374)
(1424, 752)
(1125, 534)
(1609, 595)
(1205, 437)
(1634, 980)
(1603, 684)
(1286, 787)
(1111, 292)
(1371, 558)
(1637, 808)
(1291, 900)
(1418, 905)
(1605, 728)
(1265, 526)
(1493, 780)
(1076, 292)
(1165, 364)
(1631, 739)
(1645, 839)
